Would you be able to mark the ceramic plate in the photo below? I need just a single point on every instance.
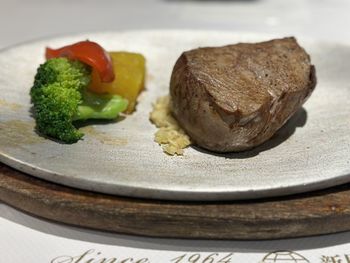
(311, 151)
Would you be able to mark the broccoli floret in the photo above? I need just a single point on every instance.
(59, 96)
(70, 73)
(55, 106)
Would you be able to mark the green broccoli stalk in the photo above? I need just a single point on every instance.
(100, 106)
(60, 97)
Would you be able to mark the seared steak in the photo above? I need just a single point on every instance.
(235, 97)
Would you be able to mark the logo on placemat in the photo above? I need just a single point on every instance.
(284, 256)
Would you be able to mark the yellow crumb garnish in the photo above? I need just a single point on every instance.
(169, 135)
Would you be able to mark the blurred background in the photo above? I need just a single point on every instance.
(23, 20)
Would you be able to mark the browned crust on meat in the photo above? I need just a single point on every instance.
(235, 97)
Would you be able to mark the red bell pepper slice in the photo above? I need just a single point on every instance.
(89, 53)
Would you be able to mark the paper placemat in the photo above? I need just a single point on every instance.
(42, 241)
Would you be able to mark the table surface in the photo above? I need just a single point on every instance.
(24, 20)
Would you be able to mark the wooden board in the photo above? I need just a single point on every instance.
(320, 212)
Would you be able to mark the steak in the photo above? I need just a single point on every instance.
(235, 97)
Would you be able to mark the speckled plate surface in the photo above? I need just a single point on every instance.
(311, 151)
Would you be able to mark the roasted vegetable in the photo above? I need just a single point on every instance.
(59, 96)
(129, 70)
(89, 53)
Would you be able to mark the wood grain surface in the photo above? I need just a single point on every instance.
(320, 212)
